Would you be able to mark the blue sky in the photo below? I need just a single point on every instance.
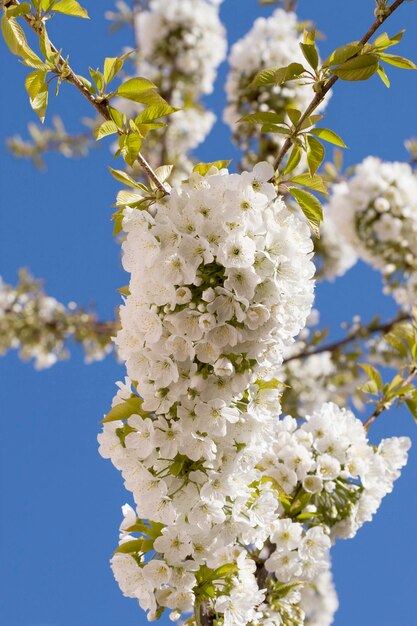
(61, 501)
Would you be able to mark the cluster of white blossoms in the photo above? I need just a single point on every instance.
(376, 210)
(181, 44)
(187, 31)
(271, 42)
(38, 326)
(221, 281)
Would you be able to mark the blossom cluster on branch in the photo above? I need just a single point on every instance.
(272, 41)
(181, 43)
(38, 326)
(222, 486)
(375, 211)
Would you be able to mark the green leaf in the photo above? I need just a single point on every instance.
(342, 54)
(294, 115)
(359, 68)
(106, 128)
(112, 67)
(329, 135)
(203, 168)
(70, 7)
(275, 128)
(154, 112)
(312, 182)
(122, 411)
(310, 54)
(412, 407)
(263, 117)
(40, 102)
(373, 374)
(128, 198)
(132, 146)
(311, 121)
(315, 154)
(277, 75)
(22, 9)
(16, 41)
(34, 82)
(134, 546)
(97, 77)
(382, 75)
(134, 88)
(393, 59)
(310, 206)
(125, 179)
(116, 116)
(294, 159)
(86, 83)
(385, 41)
(163, 172)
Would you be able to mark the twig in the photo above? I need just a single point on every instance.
(360, 333)
(319, 97)
(382, 406)
(101, 107)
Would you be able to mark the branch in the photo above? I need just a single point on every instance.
(382, 405)
(100, 107)
(319, 97)
(361, 333)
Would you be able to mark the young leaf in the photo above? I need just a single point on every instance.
(358, 68)
(382, 75)
(133, 88)
(294, 115)
(40, 102)
(294, 159)
(112, 67)
(16, 41)
(154, 112)
(310, 54)
(203, 168)
(34, 82)
(106, 128)
(133, 145)
(312, 182)
(385, 41)
(329, 135)
(373, 374)
(315, 154)
(392, 59)
(263, 117)
(70, 7)
(342, 54)
(21, 9)
(310, 206)
(97, 77)
(277, 75)
(132, 406)
(125, 179)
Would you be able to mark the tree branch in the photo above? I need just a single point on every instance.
(100, 107)
(319, 97)
(363, 332)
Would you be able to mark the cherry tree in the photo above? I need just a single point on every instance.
(237, 428)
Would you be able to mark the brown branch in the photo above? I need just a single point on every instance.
(382, 406)
(319, 97)
(360, 333)
(100, 106)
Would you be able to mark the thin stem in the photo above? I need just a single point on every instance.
(319, 97)
(360, 333)
(382, 406)
(100, 106)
